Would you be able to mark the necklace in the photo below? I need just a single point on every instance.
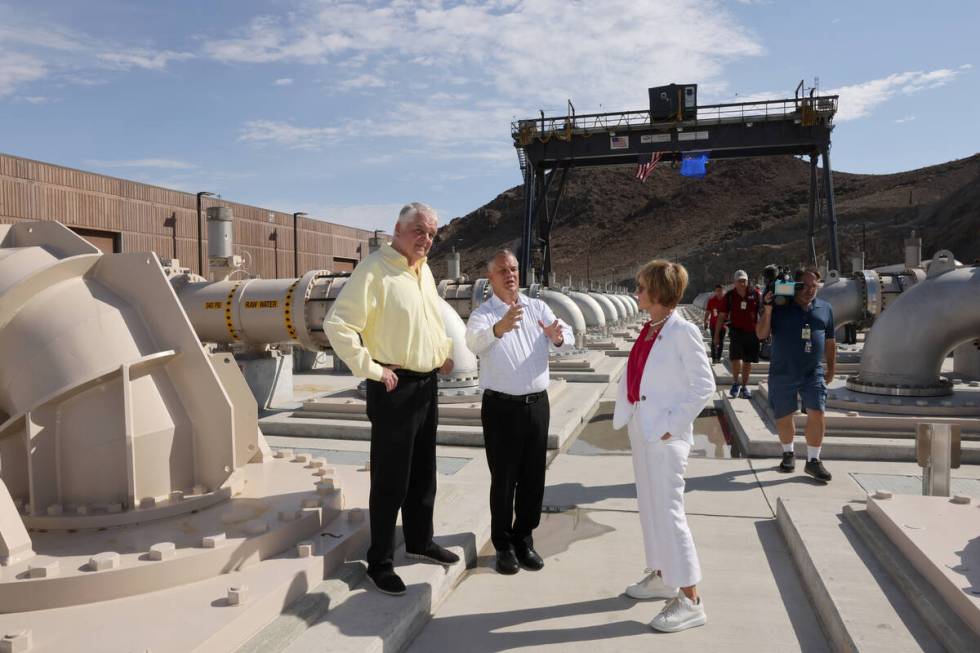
(655, 326)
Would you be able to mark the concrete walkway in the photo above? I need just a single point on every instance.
(593, 549)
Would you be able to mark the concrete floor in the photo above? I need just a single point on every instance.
(593, 549)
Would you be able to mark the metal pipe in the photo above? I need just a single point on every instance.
(296, 242)
(620, 307)
(200, 232)
(608, 308)
(904, 351)
(595, 317)
(261, 311)
(567, 311)
(845, 297)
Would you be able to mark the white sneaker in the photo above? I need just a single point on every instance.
(680, 613)
(651, 586)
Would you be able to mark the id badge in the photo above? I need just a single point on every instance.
(743, 306)
(807, 347)
(806, 333)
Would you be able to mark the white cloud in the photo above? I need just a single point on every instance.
(34, 99)
(899, 121)
(363, 81)
(265, 132)
(142, 58)
(283, 81)
(165, 164)
(17, 69)
(860, 100)
(602, 46)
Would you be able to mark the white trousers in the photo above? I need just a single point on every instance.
(659, 467)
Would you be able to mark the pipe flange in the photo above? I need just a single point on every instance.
(942, 388)
(870, 284)
(481, 292)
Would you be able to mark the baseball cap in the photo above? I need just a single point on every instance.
(741, 274)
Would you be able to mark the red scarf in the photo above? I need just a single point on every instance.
(638, 360)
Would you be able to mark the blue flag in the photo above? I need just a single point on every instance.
(692, 165)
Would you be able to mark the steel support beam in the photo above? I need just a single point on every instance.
(813, 208)
(828, 182)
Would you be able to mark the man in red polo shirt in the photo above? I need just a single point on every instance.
(741, 308)
(716, 304)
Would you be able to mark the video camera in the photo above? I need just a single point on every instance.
(780, 283)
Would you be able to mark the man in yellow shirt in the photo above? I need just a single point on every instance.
(386, 326)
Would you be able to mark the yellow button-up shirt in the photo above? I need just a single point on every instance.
(388, 312)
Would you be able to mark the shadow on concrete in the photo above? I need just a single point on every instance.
(801, 614)
(566, 495)
(970, 566)
(485, 632)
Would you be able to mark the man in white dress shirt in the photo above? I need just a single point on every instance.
(512, 335)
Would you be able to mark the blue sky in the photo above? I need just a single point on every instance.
(347, 110)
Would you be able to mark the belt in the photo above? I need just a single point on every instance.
(531, 398)
(408, 374)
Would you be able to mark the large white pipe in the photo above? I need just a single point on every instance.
(464, 361)
(595, 317)
(567, 311)
(905, 349)
(630, 306)
(608, 308)
(620, 306)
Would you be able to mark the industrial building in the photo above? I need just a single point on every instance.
(118, 215)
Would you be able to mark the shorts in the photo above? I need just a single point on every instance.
(743, 346)
(785, 393)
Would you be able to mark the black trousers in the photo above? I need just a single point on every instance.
(403, 464)
(516, 439)
(716, 350)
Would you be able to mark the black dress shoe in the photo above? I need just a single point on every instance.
(528, 557)
(507, 562)
(386, 581)
(434, 553)
(789, 462)
(816, 469)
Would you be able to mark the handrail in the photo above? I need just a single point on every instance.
(823, 105)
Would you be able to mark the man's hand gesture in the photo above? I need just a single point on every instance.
(447, 367)
(510, 321)
(553, 331)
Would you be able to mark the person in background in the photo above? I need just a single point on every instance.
(712, 310)
(741, 310)
(667, 383)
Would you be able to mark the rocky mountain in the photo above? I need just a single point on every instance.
(744, 213)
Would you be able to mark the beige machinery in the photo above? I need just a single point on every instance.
(131, 458)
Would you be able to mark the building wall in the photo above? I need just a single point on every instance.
(151, 218)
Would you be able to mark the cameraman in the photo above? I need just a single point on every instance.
(741, 307)
(804, 354)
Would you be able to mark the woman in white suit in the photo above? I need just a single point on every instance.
(667, 382)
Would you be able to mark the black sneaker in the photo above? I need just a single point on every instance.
(507, 562)
(816, 469)
(436, 554)
(789, 462)
(386, 581)
(528, 557)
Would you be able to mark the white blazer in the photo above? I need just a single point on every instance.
(677, 382)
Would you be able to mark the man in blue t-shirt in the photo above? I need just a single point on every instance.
(804, 354)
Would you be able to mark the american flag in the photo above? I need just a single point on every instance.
(647, 163)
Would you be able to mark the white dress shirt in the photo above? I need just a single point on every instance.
(517, 362)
